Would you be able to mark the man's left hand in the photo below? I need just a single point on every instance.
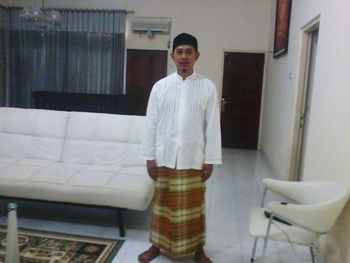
(207, 170)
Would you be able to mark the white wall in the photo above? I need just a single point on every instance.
(328, 146)
(281, 91)
(225, 25)
(220, 26)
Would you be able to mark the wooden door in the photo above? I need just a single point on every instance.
(144, 68)
(241, 99)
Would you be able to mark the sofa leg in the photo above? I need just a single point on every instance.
(120, 222)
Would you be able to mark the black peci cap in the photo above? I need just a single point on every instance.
(185, 39)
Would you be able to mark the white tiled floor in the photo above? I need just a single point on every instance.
(234, 188)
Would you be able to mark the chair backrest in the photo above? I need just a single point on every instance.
(325, 198)
(308, 192)
(320, 191)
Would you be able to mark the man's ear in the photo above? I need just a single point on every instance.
(198, 55)
(172, 55)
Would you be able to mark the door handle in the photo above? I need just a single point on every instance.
(223, 103)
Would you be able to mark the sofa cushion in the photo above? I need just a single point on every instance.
(135, 138)
(77, 183)
(103, 139)
(29, 133)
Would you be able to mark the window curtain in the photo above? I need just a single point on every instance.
(84, 55)
(3, 62)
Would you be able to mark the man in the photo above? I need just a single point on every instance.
(182, 141)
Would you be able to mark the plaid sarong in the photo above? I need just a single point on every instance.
(178, 218)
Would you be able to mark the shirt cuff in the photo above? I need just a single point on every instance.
(148, 158)
(212, 161)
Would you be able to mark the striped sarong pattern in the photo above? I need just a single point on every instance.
(178, 218)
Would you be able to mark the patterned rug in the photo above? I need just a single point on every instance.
(49, 247)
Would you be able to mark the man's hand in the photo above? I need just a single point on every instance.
(152, 169)
(207, 170)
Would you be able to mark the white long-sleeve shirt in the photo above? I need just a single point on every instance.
(183, 123)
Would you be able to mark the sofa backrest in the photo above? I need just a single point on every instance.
(30, 133)
(103, 139)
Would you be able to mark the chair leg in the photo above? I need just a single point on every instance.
(312, 254)
(266, 238)
(254, 249)
(264, 251)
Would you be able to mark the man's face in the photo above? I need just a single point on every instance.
(185, 57)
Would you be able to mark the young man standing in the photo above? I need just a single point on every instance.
(182, 141)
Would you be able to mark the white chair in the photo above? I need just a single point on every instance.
(312, 209)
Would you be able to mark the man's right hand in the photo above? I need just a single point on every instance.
(152, 169)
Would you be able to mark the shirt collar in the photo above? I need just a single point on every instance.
(192, 76)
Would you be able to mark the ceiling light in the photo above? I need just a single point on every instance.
(41, 17)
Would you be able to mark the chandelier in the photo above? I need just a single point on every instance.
(41, 17)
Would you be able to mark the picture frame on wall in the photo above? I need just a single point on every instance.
(282, 22)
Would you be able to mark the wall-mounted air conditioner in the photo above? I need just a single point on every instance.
(160, 25)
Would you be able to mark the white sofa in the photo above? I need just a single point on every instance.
(73, 157)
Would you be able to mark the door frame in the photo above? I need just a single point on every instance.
(302, 88)
(263, 88)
